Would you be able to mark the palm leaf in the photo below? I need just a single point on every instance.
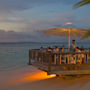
(81, 3)
(87, 35)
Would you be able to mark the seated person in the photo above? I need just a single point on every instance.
(72, 60)
(89, 50)
(49, 49)
(63, 60)
(89, 56)
(77, 49)
(82, 48)
(61, 50)
(55, 49)
(41, 49)
(78, 56)
(56, 55)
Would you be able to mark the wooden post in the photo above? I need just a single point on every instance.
(42, 58)
(87, 57)
(69, 41)
(80, 59)
(38, 57)
(50, 63)
(60, 59)
(29, 57)
(68, 58)
(65, 58)
(75, 59)
(54, 58)
(35, 54)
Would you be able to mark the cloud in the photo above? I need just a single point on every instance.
(57, 19)
(8, 8)
(9, 5)
(12, 36)
(13, 5)
(16, 14)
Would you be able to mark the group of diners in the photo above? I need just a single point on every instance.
(73, 48)
(55, 50)
(74, 58)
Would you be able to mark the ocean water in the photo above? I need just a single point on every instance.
(14, 55)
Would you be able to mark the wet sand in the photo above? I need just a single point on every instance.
(30, 78)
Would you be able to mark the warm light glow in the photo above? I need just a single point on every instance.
(52, 75)
(32, 78)
(38, 76)
(68, 23)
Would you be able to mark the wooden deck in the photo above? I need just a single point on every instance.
(52, 62)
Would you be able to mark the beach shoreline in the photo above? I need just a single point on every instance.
(30, 78)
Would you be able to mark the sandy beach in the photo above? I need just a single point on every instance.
(30, 78)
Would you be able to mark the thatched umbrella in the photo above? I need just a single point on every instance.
(68, 30)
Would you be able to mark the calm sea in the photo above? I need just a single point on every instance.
(14, 55)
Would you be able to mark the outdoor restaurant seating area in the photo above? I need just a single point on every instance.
(60, 62)
(62, 56)
(70, 61)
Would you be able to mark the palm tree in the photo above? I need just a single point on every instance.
(87, 35)
(79, 4)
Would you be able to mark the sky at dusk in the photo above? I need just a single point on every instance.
(27, 16)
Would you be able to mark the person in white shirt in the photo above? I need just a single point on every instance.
(79, 56)
(56, 49)
(73, 46)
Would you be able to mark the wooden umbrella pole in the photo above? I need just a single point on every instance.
(69, 41)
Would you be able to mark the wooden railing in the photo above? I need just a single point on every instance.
(55, 59)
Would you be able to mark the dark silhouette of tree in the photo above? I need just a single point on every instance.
(79, 4)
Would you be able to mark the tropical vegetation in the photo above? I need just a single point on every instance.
(79, 4)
